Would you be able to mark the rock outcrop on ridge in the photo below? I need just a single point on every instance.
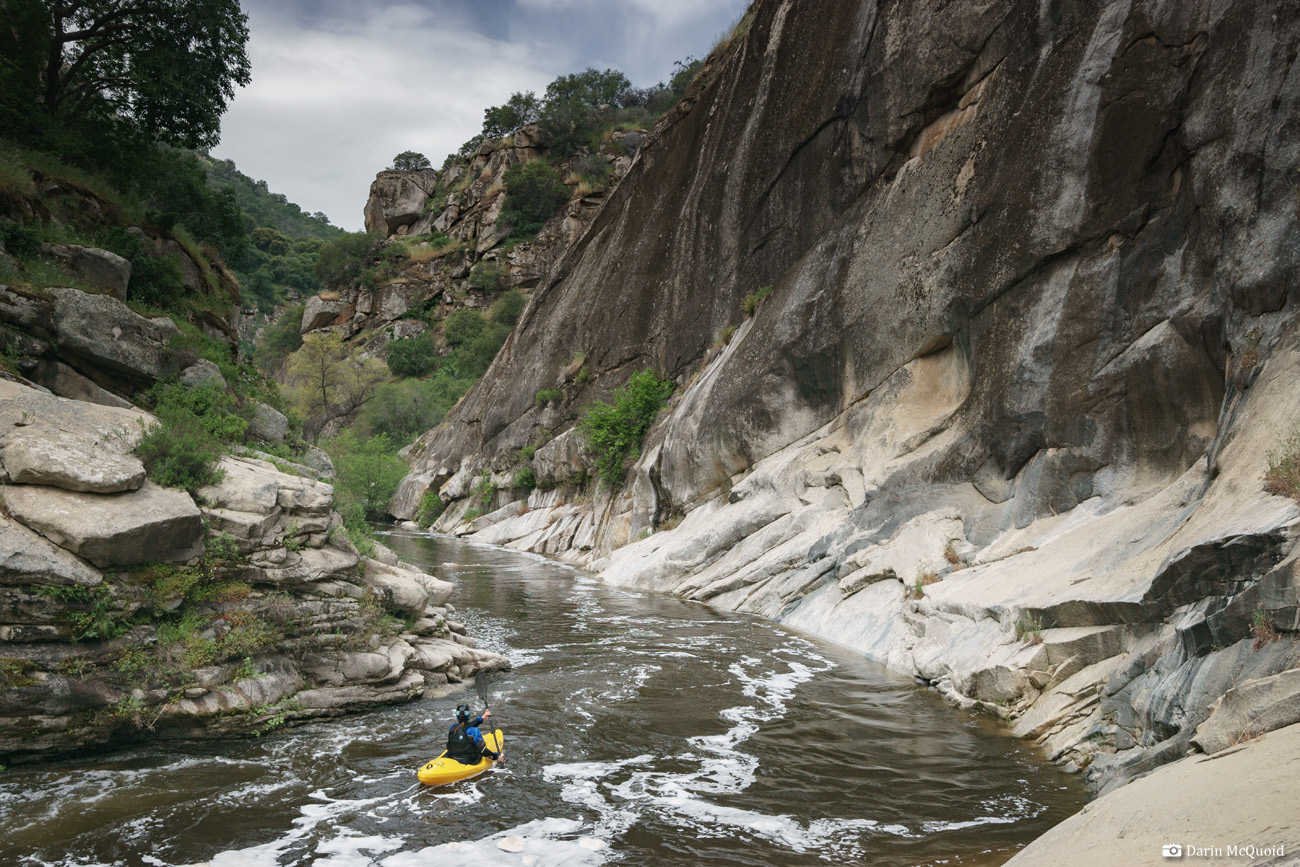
(451, 222)
(1003, 420)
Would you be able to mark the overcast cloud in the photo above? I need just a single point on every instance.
(340, 86)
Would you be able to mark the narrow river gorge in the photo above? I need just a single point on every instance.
(639, 729)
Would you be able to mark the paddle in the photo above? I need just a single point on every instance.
(480, 684)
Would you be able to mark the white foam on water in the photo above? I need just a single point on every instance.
(346, 850)
(550, 842)
(268, 854)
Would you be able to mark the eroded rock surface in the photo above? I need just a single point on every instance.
(1003, 419)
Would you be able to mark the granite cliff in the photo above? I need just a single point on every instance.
(1003, 420)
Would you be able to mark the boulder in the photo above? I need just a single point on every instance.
(397, 199)
(29, 558)
(321, 311)
(102, 332)
(151, 524)
(1250, 709)
(203, 374)
(268, 424)
(250, 485)
(398, 589)
(319, 462)
(98, 269)
(39, 454)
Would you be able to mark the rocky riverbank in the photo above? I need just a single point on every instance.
(130, 611)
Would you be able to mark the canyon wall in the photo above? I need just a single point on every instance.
(1004, 419)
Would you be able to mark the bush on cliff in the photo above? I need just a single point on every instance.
(413, 356)
(615, 430)
(1283, 475)
(195, 427)
(534, 193)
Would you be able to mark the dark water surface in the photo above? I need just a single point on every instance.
(639, 730)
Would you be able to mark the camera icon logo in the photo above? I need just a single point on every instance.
(1171, 850)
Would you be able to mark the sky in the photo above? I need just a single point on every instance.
(341, 86)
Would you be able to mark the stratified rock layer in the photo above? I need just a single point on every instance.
(267, 615)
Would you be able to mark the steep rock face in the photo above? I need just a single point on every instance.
(228, 618)
(1003, 420)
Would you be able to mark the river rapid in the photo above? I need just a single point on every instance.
(638, 730)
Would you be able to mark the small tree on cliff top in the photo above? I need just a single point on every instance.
(410, 161)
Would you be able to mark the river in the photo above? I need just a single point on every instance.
(639, 730)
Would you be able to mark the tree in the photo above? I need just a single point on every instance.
(410, 161)
(329, 380)
(413, 356)
(520, 110)
(168, 66)
(534, 193)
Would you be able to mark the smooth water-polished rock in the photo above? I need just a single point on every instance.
(1241, 798)
(152, 524)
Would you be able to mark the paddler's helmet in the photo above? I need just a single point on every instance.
(462, 712)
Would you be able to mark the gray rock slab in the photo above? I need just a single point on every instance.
(27, 557)
(1251, 709)
(251, 485)
(41, 454)
(99, 269)
(149, 525)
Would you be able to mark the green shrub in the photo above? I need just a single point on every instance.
(279, 339)
(753, 299)
(487, 277)
(414, 356)
(18, 240)
(547, 396)
(1283, 475)
(431, 509)
(484, 492)
(341, 260)
(369, 471)
(593, 168)
(156, 282)
(534, 193)
(195, 427)
(524, 479)
(181, 454)
(526, 453)
(404, 410)
(507, 308)
(462, 327)
(615, 430)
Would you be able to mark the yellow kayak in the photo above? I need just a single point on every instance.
(442, 770)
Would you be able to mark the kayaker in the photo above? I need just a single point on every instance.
(465, 742)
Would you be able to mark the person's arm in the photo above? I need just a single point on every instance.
(482, 745)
